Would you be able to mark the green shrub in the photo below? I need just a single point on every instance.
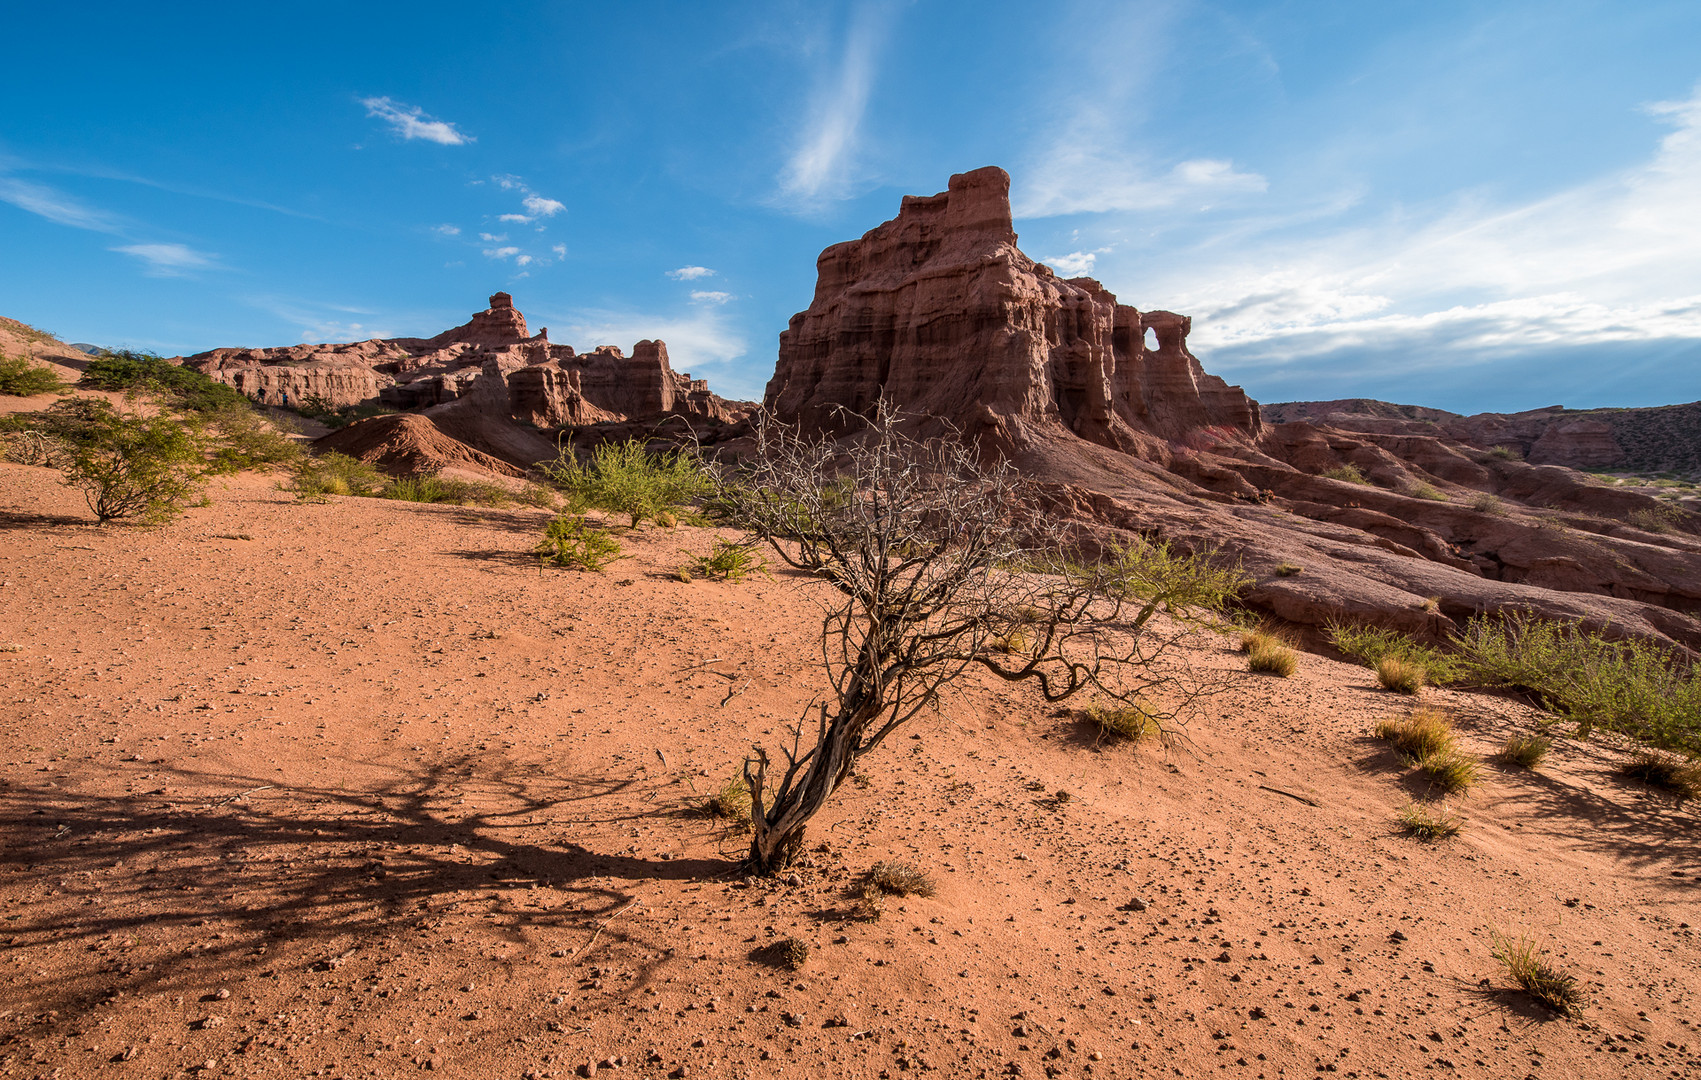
(335, 474)
(1556, 989)
(1525, 751)
(1451, 770)
(1657, 519)
(1422, 490)
(245, 439)
(1155, 570)
(20, 378)
(1429, 821)
(1484, 503)
(1400, 675)
(1370, 644)
(1506, 453)
(1348, 473)
(133, 466)
(1266, 651)
(1288, 569)
(183, 387)
(437, 489)
(625, 478)
(572, 544)
(317, 408)
(1633, 687)
(1681, 778)
(727, 561)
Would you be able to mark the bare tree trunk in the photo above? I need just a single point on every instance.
(779, 828)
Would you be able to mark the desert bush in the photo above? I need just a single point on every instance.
(727, 560)
(1506, 453)
(900, 879)
(1123, 720)
(1657, 519)
(625, 478)
(1400, 675)
(1543, 981)
(245, 439)
(20, 378)
(135, 467)
(572, 544)
(335, 474)
(1349, 473)
(1484, 503)
(1632, 687)
(1525, 751)
(1288, 569)
(1451, 770)
(536, 495)
(794, 952)
(929, 552)
(1266, 651)
(1423, 490)
(730, 804)
(183, 387)
(870, 903)
(335, 417)
(1423, 733)
(1370, 644)
(432, 488)
(1666, 772)
(1429, 821)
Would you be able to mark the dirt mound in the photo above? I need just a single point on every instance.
(410, 445)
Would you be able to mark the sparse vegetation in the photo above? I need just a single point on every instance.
(438, 489)
(1349, 473)
(1666, 772)
(335, 474)
(1631, 687)
(1267, 652)
(1484, 503)
(1539, 978)
(1429, 821)
(727, 560)
(1400, 675)
(731, 804)
(794, 952)
(1451, 770)
(1423, 733)
(137, 467)
(1370, 645)
(1424, 490)
(335, 417)
(1525, 751)
(1506, 453)
(245, 439)
(625, 478)
(870, 903)
(900, 879)
(572, 544)
(20, 378)
(1288, 569)
(1657, 519)
(181, 387)
(1123, 720)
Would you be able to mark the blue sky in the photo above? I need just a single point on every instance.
(1466, 205)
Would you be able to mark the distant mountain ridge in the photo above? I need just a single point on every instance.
(1644, 439)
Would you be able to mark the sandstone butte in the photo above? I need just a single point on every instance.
(1100, 403)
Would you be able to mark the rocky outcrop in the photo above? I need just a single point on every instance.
(1387, 513)
(497, 326)
(938, 310)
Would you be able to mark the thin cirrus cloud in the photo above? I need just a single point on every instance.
(823, 163)
(1606, 262)
(158, 259)
(168, 260)
(690, 273)
(704, 342)
(708, 296)
(411, 122)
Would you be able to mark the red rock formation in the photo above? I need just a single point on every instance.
(499, 325)
(939, 311)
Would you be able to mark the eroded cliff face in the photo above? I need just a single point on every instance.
(939, 311)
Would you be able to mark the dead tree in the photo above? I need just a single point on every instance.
(940, 563)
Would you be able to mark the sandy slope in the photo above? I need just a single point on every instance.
(353, 790)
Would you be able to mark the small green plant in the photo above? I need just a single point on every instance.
(1156, 570)
(1525, 751)
(1662, 519)
(1485, 503)
(730, 804)
(726, 561)
(1681, 778)
(572, 544)
(1400, 675)
(1506, 453)
(536, 495)
(335, 474)
(245, 439)
(900, 879)
(1120, 720)
(1423, 733)
(1349, 473)
(625, 478)
(1451, 770)
(1267, 652)
(20, 378)
(1424, 490)
(137, 467)
(1429, 821)
(1288, 569)
(1370, 644)
(1539, 978)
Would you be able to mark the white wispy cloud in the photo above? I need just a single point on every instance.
(702, 341)
(1076, 263)
(56, 206)
(501, 252)
(1088, 175)
(447, 230)
(517, 219)
(411, 122)
(492, 238)
(822, 164)
(168, 260)
(524, 260)
(1610, 261)
(560, 250)
(690, 273)
(706, 296)
(538, 206)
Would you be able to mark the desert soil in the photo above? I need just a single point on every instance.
(354, 790)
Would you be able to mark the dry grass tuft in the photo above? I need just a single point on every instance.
(1429, 821)
(870, 903)
(1288, 569)
(1424, 733)
(900, 879)
(730, 804)
(1525, 751)
(1666, 772)
(1400, 675)
(1451, 770)
(1123, 721)
(794, 952)
(1556, 989)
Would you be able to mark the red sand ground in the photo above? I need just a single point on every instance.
(354, 790)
